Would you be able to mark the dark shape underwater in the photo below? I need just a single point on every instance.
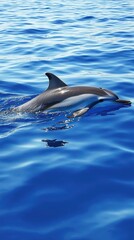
(54, 143)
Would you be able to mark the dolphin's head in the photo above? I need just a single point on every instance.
(110, 95)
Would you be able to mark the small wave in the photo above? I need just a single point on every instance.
(86, 18)
(35, 31)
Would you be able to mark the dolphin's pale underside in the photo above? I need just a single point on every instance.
(60, 97)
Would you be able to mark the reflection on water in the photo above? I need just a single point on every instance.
(54, 143)
(107, 109)
(63, 125)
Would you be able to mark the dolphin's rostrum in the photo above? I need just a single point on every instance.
(61, 97)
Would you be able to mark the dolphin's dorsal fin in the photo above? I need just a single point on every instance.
(54, 82)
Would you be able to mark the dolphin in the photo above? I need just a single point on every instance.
(60, 97)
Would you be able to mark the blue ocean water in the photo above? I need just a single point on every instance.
(64, 179)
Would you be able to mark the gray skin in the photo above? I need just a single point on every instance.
(59, 96)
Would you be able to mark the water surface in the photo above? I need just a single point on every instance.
(60, 178)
